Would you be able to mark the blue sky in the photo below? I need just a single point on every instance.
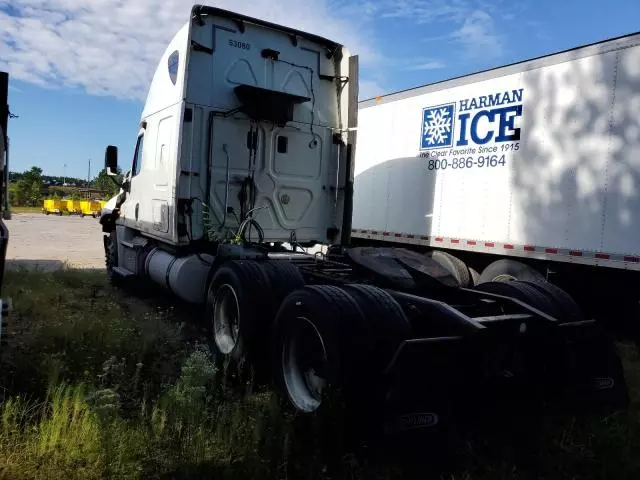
(80, 69)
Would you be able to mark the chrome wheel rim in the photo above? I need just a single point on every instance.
(226, 319)
(304, 363)
(504, 277)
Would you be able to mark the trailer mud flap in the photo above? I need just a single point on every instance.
(589, 373)
(423, 378)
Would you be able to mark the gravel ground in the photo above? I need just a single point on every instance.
(50, 241)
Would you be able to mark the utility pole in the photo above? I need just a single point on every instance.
(64, 174)
(89, 174)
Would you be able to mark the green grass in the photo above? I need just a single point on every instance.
(99, 384)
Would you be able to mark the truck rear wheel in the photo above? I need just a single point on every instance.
(386, 318)
(506, 270)
(236, 300)
(455, 266)
(284, 277)
(319, 340)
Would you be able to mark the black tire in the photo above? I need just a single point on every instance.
(475, 276)
(334, 323)
(567, 308)
(523, 292)
(454, 265)
(284, 277)
(508, 270)
(386, 319)
(111, 257)
(242, 282)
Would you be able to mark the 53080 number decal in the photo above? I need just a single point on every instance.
(241, 45)
(467, 162)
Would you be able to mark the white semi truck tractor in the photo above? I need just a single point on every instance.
(244, 158)
(526, 171)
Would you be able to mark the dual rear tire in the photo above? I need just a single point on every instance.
(302, 337)
(242, 299)
(339, 336)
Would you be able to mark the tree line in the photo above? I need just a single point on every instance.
(55, 180)
(30, 187)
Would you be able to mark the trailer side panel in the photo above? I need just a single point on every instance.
(542, 157)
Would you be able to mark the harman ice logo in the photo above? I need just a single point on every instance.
(437, 126)
(481, 120)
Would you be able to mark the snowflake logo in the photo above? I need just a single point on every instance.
(437, 126)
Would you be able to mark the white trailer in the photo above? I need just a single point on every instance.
(246, 145)
(538, 161)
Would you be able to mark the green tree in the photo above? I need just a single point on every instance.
(28, 189)
(106, 183)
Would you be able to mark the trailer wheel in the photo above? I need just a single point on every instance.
(566, 306)
(456, 267)
(319, 339)
(475, 276)
(235, 302)
(523, 292)
(506, 270)
(387, 319)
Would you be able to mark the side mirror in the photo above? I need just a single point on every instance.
(111, 160)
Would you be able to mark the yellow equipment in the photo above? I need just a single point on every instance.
(52, 205)
(73, 206)
(90, 207)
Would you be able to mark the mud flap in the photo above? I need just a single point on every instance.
(423, 380)
(589, 376)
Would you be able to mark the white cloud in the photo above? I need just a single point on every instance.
(369, 89)
(428, 65)
(479, 36)
(469, 23)
(111, 47)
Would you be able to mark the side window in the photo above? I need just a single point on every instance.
(137, 157)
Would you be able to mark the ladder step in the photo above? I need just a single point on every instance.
(123, 272)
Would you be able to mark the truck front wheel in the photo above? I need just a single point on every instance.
(111, 256)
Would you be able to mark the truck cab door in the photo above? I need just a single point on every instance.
(130, 209)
